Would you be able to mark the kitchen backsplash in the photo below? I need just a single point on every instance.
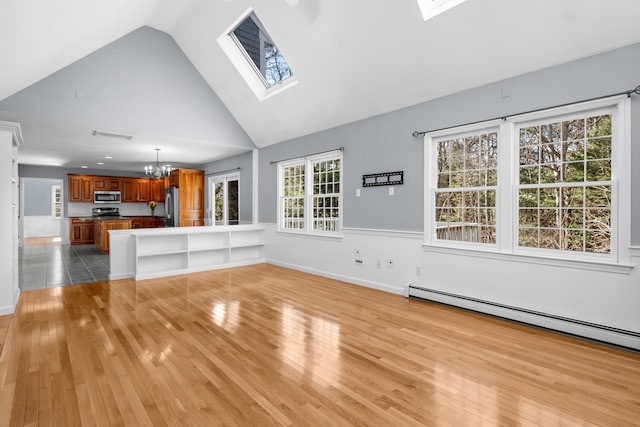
(126, 209)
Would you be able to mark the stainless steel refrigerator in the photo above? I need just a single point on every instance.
(171, 207)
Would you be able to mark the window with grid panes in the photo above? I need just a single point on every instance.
(310, 194)
(465, 194)
(326, 195)
(565, 184)
(293, 194)
(554, 183)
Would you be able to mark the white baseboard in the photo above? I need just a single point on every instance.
(348, 279)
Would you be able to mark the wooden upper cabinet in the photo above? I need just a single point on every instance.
(135, 190)
(107, 183)
(156, 189)
(80, 188)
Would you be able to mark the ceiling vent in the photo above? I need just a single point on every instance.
(112, 135)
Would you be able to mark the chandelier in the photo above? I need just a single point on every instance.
(156, 171)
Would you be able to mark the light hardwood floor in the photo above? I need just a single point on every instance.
(267, 346)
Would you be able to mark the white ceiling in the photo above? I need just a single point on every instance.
(353, 59)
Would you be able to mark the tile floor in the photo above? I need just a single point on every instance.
(54, 265)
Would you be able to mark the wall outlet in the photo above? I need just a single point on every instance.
(378, 264)
(418, 270)
(390, 263)
(391, 191)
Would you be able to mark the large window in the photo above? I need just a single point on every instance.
(552, 184)
(465, 194)
(565, 186)
(310, 194)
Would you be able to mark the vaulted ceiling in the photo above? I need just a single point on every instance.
(352, 59)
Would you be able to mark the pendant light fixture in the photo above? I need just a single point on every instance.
(156, 171)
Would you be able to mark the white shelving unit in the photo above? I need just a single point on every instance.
(169, 251)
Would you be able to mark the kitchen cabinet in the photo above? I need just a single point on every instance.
(107, 183)
(137, 222)
(81, 231)
(81, 188)
(147, 222)
(135, 190)
(156, 189)
(102, 228)
(153, 222)
(191, 195)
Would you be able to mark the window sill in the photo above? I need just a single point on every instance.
(566, 263)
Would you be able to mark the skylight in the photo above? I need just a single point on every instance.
(261, 51)
(431, 8)
(256, 56)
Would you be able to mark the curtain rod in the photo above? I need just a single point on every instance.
(221, 172)
(416, 133)
(273, 162)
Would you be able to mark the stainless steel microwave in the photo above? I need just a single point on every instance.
(106, 197)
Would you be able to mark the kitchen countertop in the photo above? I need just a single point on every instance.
(101, 218)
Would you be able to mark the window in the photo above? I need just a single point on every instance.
(310, 194)
(256, 56)
(225, 201)
(56, 201)
(465, 194)
(253, 40)
(565, 187)
(551, 184)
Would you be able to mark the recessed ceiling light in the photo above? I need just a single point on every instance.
(108, 157)
(84, 167)
(101, 163)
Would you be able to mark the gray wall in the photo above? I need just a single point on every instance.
(37, 197)
(384, 143)
(244, 162)
(142, 81)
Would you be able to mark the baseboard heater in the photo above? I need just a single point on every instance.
(621, 337)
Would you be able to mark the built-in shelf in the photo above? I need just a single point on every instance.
(171, 251)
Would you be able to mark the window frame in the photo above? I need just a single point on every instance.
(507, 200)
(307, 162)
(431, 8)
(245, 66)
(56, 201)
(224, 179)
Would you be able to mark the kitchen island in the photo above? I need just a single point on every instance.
(102, 226)
(158, 252)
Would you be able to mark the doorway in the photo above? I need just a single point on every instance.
(42, 210)
(225, 200)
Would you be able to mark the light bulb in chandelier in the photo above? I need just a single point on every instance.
(156, 171)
